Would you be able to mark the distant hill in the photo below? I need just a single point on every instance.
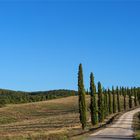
(15, 97)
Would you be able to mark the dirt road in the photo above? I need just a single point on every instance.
(120, 130)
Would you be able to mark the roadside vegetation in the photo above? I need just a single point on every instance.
(136, 125)
(104, 102)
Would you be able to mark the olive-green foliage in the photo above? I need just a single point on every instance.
(106, 107)
(82, 102)
(110, 102)
(138, 95)
(118, 99)
(129, 92)
(135, 97)
(100, 103)
(114, 100)
(124, 98)
(16, 97)
(93, 104)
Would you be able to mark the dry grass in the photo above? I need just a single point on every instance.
(42, 118)
(136, 125)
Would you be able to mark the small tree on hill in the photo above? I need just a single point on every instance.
(118, 100)
(124, 98)
(114, 100)
(135, 97)
(110, 102)
(106, 107)
(100, 103)
(81, 93)
(130, 98)
(93, 104)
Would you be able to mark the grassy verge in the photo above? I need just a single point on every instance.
(136, 125)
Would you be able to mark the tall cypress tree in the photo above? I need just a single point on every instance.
(110, 102)
(118, 99)
(135, 96)
(114, 100)
(138, 95)
(100, 103)
(130, 98)
(106, 107)
(82, 101)
(93, 104)
(124, 98)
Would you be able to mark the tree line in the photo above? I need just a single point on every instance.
(104, 102)
(17, 97)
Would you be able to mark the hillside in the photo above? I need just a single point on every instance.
(41, 118)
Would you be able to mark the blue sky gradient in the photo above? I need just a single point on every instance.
(43, 42)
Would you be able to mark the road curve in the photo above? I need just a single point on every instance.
(120, 130)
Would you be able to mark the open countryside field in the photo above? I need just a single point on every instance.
(48, 119)
(39, 119)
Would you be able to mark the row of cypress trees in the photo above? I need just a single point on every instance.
(104, 102)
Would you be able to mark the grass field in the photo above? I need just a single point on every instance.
(54, 119)
(34, 120)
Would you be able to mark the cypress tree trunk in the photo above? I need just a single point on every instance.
(93, 104)
(81, 93)
(110, 102)
(100, 103)
(114, 100)
(118, 99)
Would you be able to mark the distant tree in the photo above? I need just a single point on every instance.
(118, 99)
(129, 92)
(100, 103)
(87, 92)
(114, 100)
(82, 101)
(135, 97)
(138, 95)
(93, 104)
(124, 97)
(110, 102)
(106, 107)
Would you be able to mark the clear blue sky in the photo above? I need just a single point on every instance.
(43, 42)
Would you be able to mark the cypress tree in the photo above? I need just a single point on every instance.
(106, 107)
(100, 103)
(82, 101)
(87, 92)
(110, 102)
(114, 100)
(121, 91)
(93, 105)
(118, 99)
(130, 98)
(135, 97)
(138, 95)
(124, 98)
